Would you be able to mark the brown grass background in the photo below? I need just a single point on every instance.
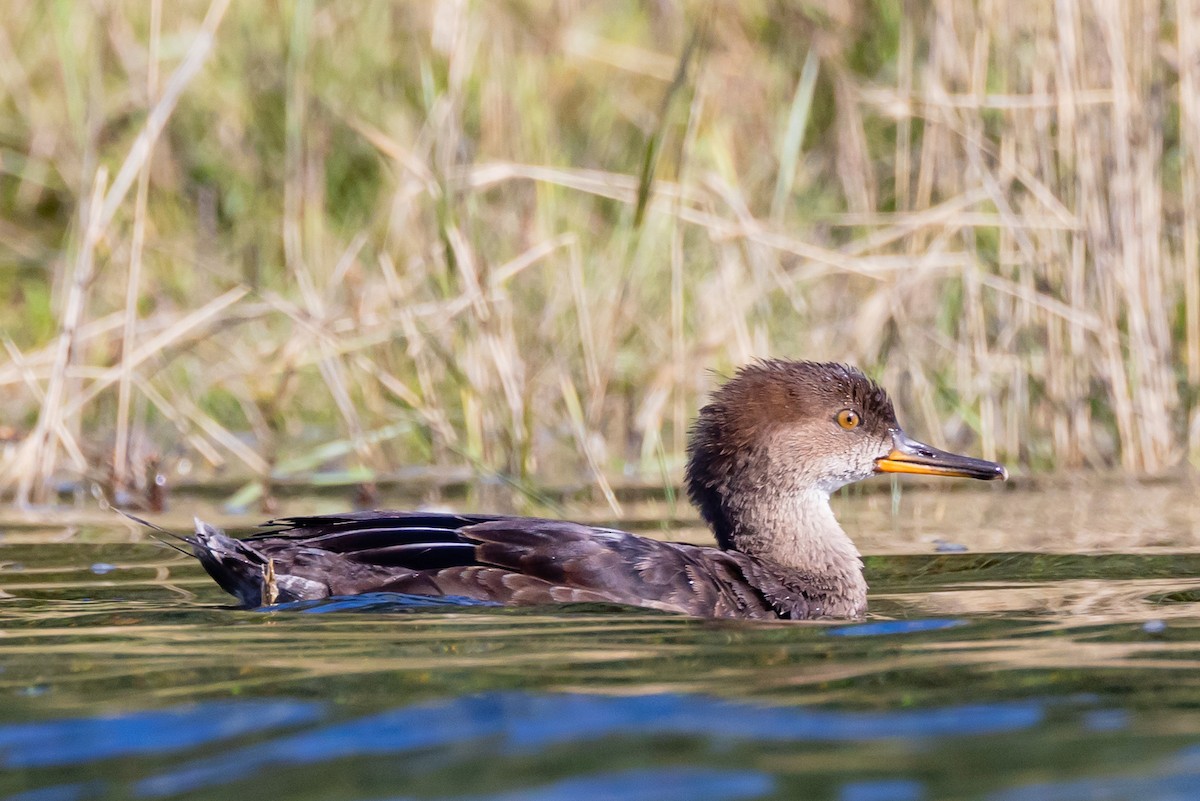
(323, 240)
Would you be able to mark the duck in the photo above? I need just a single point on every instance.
(764, 455)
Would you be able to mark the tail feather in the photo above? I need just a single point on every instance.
(239, 569)
(167, 538)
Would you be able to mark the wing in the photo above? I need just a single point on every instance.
(619, 567)
(509, 560)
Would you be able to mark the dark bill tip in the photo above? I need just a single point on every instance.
(910, 456)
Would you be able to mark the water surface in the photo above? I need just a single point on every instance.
(1029, 644)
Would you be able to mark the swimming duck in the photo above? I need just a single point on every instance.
(764, 455)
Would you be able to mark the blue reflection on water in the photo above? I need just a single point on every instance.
(1188, 757)
(882, 790)
(895, 627)
(517, 722)
(1106, 720)
(666, 784)
(76, 740)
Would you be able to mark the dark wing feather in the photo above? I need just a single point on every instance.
(623, 568)
(360, 531)
(418, 555)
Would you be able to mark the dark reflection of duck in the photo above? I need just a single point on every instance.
(765, 454)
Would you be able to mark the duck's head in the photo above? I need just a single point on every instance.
(783, 432)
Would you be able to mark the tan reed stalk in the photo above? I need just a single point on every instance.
(134, 282)
(595, 464)
(40, 453)
(197, 53)
(1187, 13)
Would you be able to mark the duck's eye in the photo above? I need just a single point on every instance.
(848, 419)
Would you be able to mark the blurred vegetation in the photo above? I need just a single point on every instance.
(515, 237)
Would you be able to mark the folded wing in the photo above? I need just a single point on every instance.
(505, 560)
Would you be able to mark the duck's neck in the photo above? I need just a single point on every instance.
(798, 531)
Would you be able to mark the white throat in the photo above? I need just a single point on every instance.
(799, 531)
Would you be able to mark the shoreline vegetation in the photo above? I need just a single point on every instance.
(334, 239)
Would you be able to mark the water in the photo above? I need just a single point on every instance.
(1030, 645)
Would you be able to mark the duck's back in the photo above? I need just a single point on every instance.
(507, 560)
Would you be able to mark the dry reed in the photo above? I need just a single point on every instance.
(516, 237)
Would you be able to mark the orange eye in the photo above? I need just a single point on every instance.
(848, 419)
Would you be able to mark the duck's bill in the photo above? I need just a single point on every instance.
(910, 456)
